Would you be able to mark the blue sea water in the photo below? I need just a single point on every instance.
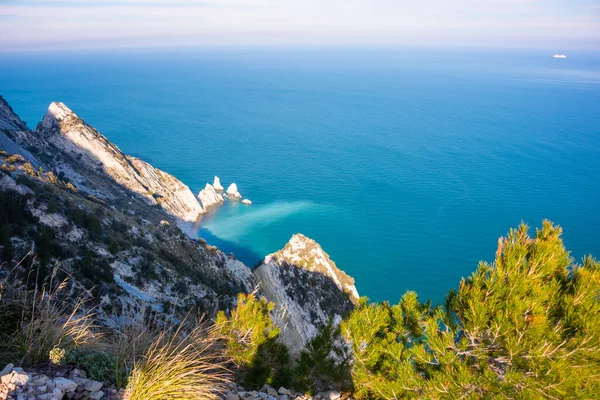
(405, 164)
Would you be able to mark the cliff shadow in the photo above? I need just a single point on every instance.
(243, 253)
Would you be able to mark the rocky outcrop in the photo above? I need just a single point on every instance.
(65, 130)
(247, 201)
(108, 234)
(9, 120)
(11, 124)
(217, 184)
(232, 191)
(307, 288)
(209, 197)
(16, 383)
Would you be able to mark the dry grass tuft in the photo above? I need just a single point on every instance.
(48, 319)
(55, 322)
(180, 366)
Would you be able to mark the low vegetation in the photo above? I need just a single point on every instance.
(250, 338)
(43, 323)
(525, 326)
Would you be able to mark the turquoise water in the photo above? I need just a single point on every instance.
(405, 164)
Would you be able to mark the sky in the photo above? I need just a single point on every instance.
(64, 24)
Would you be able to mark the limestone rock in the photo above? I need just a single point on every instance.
(246, 201)
(217, 184)
(269, 390)
(232, 396)
(7, 369)
(118, 186)
(93, 386)
(96, 395)
(307, 289)
(65, 130)
(65, 385)
(209, 197)
(20, 378)
(232, 190)
(331, 395)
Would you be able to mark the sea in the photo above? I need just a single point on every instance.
(405, 163)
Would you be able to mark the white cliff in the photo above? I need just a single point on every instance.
(307, 288)
(232, 190)
(217, 184)
(209, 197)
(65, 130)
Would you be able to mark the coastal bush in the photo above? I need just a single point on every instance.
(325, 363)
(250, 341)
(524, 326)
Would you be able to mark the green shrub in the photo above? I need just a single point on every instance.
(325, 363)
(250, 340)
(100, 366)
(517, 328)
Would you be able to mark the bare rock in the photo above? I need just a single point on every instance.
(283, 390)
(269, 390)
(246, 201)
(7, 370)
(96, 395)
(209, 197)
(331, 395)
(307, 288)
(217, 184)
(65, 385)
(232, 191)
(20, 378)
(93, 386)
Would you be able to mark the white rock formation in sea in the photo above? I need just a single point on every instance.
(65, 130)
(232, 190)
(307, 289)
(209, 197)
(217, 184)
(246, 201)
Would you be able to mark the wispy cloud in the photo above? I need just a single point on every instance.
(113, 3)
(243, 21)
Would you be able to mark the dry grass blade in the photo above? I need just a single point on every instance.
(55, 322)
(179, 366)
(49, 318)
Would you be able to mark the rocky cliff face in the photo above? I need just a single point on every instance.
(94, 211)
(307, 288)
(110, 220)
(209, 197)
(64, 129)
